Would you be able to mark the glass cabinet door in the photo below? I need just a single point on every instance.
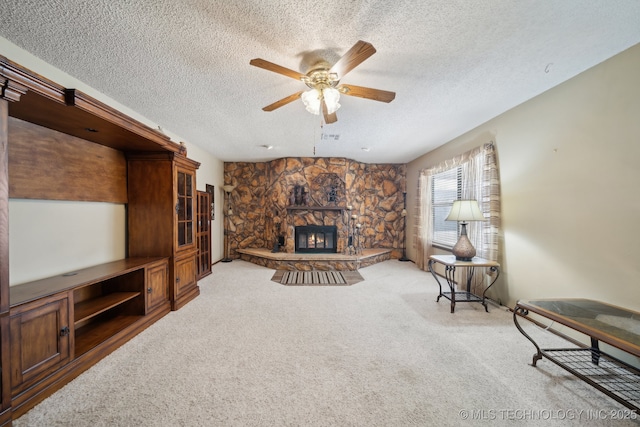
(184, 208)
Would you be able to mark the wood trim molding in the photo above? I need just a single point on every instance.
(12, 91)
(4, 215)
(84, 102)
(16, 77)
(16, 81)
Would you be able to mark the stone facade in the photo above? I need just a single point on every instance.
(271, 198)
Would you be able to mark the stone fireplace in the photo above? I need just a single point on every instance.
(316, 239)
(272, 198)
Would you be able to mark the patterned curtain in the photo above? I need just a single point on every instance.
(481, 182)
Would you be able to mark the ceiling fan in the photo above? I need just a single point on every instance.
(324, 83)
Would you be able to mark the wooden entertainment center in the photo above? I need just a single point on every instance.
(58, 143)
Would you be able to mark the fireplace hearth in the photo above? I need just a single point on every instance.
(316, 239)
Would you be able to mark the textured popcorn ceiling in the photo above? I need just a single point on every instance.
(453, 64)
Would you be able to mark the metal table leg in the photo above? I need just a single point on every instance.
(450, 275)
(520, 311)
(484, 298)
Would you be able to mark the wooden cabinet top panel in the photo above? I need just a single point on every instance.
(38, 100)
(26, 292)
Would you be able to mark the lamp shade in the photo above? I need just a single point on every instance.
(228, 188)
(465, 210)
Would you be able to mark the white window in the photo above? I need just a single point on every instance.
(447, 187)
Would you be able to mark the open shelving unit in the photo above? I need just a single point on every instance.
(97, 319)
(88, 309)
(60, 144)
(84, 314)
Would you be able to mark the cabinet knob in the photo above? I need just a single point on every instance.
(64, 331)
(177, 280)
(148, 290)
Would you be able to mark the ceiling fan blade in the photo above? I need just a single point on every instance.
(283, 101)
(270, 66)
(328, 118)
(354, 57)
(367, 92)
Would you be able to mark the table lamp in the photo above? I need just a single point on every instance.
(463, 211)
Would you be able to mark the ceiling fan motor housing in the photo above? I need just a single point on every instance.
(320, 77)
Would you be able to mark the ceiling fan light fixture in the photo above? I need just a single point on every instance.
(312, 100)
(332, 98)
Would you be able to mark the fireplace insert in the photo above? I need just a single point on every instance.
(316, 238)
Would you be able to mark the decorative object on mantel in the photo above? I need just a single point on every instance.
(292, 198)
(227, 191)
(404, 258)
(463, 211)
(328, 190)
(331, 195)
(299, 196)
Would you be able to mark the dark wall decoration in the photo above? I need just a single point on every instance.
(211, 190)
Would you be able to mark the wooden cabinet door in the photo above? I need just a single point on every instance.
(185, 208)
(157, 281)
(185, 274)
(203, 234)
(40, 340)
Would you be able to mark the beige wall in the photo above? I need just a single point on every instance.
(570, 187)
(211, 171)
(50, 237)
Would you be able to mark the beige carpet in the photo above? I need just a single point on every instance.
(251, 352)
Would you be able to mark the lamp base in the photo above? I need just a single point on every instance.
(226, 260)
(463, 249)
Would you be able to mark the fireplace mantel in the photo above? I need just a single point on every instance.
(314, 208)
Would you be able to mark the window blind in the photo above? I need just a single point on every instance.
(447, 187)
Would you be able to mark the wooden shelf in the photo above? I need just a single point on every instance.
(95, 333)
(91, 308)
